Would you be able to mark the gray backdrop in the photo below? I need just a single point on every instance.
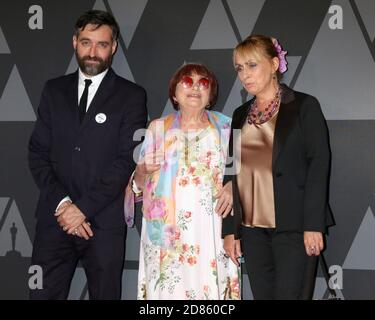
(331, 49)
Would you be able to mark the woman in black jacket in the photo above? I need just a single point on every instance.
(280, 187)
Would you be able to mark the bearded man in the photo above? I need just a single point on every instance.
(81, 158)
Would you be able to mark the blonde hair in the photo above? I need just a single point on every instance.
(257, 46)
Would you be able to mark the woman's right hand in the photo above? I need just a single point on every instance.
(150, 164)
(232, 248)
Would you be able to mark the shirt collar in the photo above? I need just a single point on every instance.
(96, 80)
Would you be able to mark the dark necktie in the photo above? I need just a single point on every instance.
(83, 101)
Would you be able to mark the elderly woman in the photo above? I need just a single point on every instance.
(180, 175)
(280, 187)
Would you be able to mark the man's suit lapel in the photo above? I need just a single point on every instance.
(104, 91)
(286, 118)
(72, 97)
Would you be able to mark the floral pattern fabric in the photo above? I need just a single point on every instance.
(181, 251)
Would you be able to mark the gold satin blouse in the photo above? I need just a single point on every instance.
(255, 182)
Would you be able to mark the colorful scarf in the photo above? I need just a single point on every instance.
(158, 193)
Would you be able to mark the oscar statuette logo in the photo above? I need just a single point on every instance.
(15, 252)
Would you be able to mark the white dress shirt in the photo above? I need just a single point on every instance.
(96, 81)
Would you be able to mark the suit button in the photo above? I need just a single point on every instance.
(77, 149)
(278, 174)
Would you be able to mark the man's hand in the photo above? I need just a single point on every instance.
(232, 248)
(84, 231)
(70, 218)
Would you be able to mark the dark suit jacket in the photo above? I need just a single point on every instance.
(300, 166)
(91, 162)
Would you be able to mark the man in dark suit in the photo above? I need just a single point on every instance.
(81, 157)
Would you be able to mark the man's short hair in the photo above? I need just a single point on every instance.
(97, 18)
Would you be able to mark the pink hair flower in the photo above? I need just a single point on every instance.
(281, 55)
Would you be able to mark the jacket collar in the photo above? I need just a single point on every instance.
(286, 119)
(102, 94)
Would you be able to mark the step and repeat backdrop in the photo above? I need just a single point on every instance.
(331, 55)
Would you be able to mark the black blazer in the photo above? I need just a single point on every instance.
(300, 166)
(91, 162)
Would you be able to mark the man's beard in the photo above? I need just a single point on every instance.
(92, 69)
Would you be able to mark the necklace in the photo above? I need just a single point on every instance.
(258, 117)
(190, 143)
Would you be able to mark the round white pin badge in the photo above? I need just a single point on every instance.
(100, 118)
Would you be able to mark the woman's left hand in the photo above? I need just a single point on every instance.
(225, 200)
(313, 242)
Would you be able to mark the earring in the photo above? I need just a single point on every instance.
(274, 76)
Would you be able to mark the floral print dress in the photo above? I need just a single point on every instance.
(189, 262)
